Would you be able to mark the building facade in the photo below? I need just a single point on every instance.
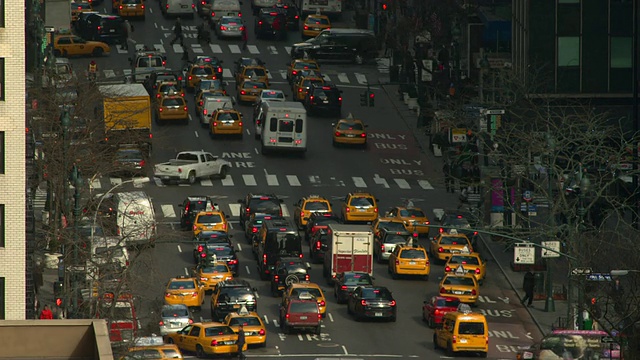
(12, 161)
(575, 48)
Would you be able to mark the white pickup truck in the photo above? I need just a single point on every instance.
(191, 165)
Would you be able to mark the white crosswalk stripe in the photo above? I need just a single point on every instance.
(121, 50)
(361, 78)
(197, 49)
(206, 182)
(343, 78)
(226, 73)
(215, 48)
(359, 182)
(402, 183)
(177, 48)
(235, 49)
(272, 50)
(272, 180)
(424, 184)
(227, 181)
(293, 180)
(167, 211)
(109, 73)
(253, 49)
(287, 49)
(234, 210)
(283, 73)
(249, 180)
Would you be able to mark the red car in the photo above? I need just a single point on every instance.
(433, 310)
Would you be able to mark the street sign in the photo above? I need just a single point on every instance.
(527, 196)
(581, 271)
(427, 75)
(598, 277)
(552, 249)
(524, 254)
(493, 112)
(532, 208)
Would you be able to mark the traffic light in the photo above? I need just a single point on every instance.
(372, 98)
(383, 6)
(58, 287)
(364, 98)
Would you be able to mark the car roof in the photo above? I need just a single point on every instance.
(198, 197)
(305, 285)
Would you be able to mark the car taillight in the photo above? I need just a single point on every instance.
(194, 294)
(473, 292)
(437, 312)
(219, 67)
(348, 209)
(319, 316)
(214, 342)
(185, 108)
(158, 96)
(204, 111)
(443, 290)
(248, 210)
(318, 245)
(440, 250)
(343, 287)
(441, 230)
(300, 90)
(397, 262)
(306, 27)
(264, 259)
(294, 72)
(276, 277)
(447, 269)
(161, 323)
(223, 27)
(240, 123)
(120, 7)
(213, 13)
(300, 256)
(243, 92)
(338, 134)
(426, 223)
(254, 229)
(382, 247)
(99, 28)
(203, 279)
(167, 294)
(306, 277)
(233, 262)
(392, 303)
(160, 109)
(261, 332)
(239, 14)
(167, 6)
(195, 227)
(193, 6)
(190, 321)
(201, 103)
(375, 209)
(286, 316)
(142, 6)
(363, 302)
(203, 255)
(190, 77)
(475, 233)
(322, 303)
(364, 135)
(200, 248)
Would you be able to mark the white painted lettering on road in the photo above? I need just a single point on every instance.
(380, 181)
(216, 49)
(496, 313)
(385, 146)
(485, 299)
(406, 172)
(507, 348)
(236, 155)
(244, 164)
(502, 334)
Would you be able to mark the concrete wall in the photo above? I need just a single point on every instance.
(12, 182)
(55, 339)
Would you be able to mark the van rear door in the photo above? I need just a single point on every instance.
(284, 134)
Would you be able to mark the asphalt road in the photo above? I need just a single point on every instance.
(392, 168)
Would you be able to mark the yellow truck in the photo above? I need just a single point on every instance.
(127, 114)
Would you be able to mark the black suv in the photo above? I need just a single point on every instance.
(355, 45)
(205, 238)
(276, 239)
(155, 78)
(264, 23)
(323, 99)
(210, 60)
(461, 221)
(191, 206)
(287, 271)
(292, 14)
(318, 245)
(101, 27)
(231, 295)
(259, 203)
(212, 253)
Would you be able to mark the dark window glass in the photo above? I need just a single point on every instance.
(2, 75)
(175, 312)
(621, 21)
(2, 297)
(299, 123)
(215, 331)
(471, 328)
(569, 20)
(361, 201)
(316, 205)
(2, 146)
(392, 225)
(246, 321)
(413, 254)
(448, 302)
(453, 240)
(265, 206)
(358, 279)
(470, 260)
(1, 25)
(286, 126)
(179, 285)
(304, 307)
(459, 280)
(376, 294)
(273, 124)
(209, 219)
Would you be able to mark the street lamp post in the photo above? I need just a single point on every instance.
(550, 305)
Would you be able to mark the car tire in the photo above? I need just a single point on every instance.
(192, 177)
(223, 172)
(483, 355)
(200, 354)
(97, 52)
(435, 343)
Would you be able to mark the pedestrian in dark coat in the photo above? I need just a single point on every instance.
(528, 285)
(241, 342)
(177, 32)
(245, 38)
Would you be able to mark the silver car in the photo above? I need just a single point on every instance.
(386, 242)
(229, 26)
(174, 318)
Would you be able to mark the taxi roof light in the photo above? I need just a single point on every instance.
(464, 308)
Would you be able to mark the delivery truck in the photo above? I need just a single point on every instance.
(127, 114)
(350, 248)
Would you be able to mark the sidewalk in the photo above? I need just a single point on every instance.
(494, 249)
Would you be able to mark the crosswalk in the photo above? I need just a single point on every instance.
(215, 49)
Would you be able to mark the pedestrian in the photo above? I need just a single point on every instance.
(464, 197)
(46, 313)
(240, 343)
(185, 52)
(245, 37)
(448, 180)
(527, 285)
(177, 32)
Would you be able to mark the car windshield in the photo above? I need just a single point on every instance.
(350, 126)
(361, 201)
(220, 251)
(245, 321)
(374, 293)
(254, 85)
(311, 291)
(458, 222)
(150, 61)
(231, 21)
(218, 268)
(317, 21)
(257, 72)
(304, 307)
(129, 154)
(267, 206)
(412, 213)
(228, 116)
(395, 239)
(173, 102)
(357, 279)
(273, 95)
(464, 260)
(210, 85)
(202, 70)
(209, 219)
(235, 294)
(448, 302)
(111, 251)
(197, 205)
(413, 254)
(179, 285)
(471, 328)
(458, 280)
(391, 225)
(316, 205)
(305, 65)
(175, 312)
(453, 240)
(217, 331)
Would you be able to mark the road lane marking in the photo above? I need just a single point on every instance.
(249, 180)
(275, 322)
(424, 184)
(380, 181)
(293, 180)
(177, 48)
(179, 248)
(272, 180)
(167, 211)
(234, 209)
(269, 76)
(186, 272)
(283, 73)
(314, 179)
(439, 213)
(196, 133)
(206, 182)
(95, 184)
(227, 181)
(160, 48)
(215, 48)
(273, 50)
(197, 49)
(287, 49)
(247, 267)
(235, 49)
(256, 150)
(190, 119)
(139, 47)
(359, 182)
(343, 78)
(253, 49)
(121, 50)
(266, 320)
(109, 73)
(330, 317)
(326, 78)
(344, 348)
(226, 73)
(240, 249)
(402, 183)
(361, 78)
(300, 337)
(126, 72)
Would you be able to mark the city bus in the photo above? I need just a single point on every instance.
(325, 7)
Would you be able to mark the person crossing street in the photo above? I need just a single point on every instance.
(241, 342)
(177, 32)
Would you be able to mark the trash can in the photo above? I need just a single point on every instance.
(394, 73)
(539, 283)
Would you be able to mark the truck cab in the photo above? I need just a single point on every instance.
(120, 313)
(146, 62)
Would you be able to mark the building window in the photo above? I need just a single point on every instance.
(568, 1)
(621, 52)
(1, 78)
(2, 146)
(2, 298)
(1, 13)
(2, 225)
(569, 51)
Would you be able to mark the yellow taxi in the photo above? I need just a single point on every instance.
(444, 245)
(169, 88)
(131, 8)
(301, 87)
(359, 206)
(184, 290)
(460, 285)
(199, 71)
(307, 205)
(463, 331)
(206, 339)
(255, 332)
(409, 259)
(210, 275)
(152, 347)
(414, 219)
(71, 45)
(249, 90)
(78, 7)
(225, 122)
(349, 131)
(300, 64)
(294, 291)
(314, 24)
(388, 224)
(253, 72)
(206, 94)
(209, 220)
(172, 107)
(471, 262)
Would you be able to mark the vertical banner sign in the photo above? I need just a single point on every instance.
(497, 195)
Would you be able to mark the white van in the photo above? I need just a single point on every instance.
(109, 249)
(135, 217)
(221, 8)
(212, 104)
(283, 126)
(182, 8)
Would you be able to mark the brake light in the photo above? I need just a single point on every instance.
(297, 17)
(190, 77)
(306, 277)
(223, 27)
(160, 109)
(276, 277)
(158, 95)
(443, 290)
(204, 111)
(200, 248)
(195, 227)
(264, 259)
(201, 103)
(392, 303)
(348, 209)
(287, 316)
(447, 269)
(193, 6)
(261, 332)
(343, 287)
(306, 27)
(338, 134)
(440, 250)
(213, 13)
(240, 123)
(300, 90)
(319, 316)
(364, 135)
(340, 99)
(215, 123)
(243, 92)
(375, 209)
(260, 23)
(142, 6)
(254, 229)
(441, 230)
(300, 256)
(167, 294)
(397, 262)
(233, 262)
(318, 245)
(203, 279)
(477, 271)
(120, 7)
(475, 233)
(248, 210)
(161, 323)
(99, 28)
(203, 255)
(294, 72)
(214, 342)
(190, 321)
(426, 223)
(185, 108)
(473, 292)
(454, 339)
(363, 302)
